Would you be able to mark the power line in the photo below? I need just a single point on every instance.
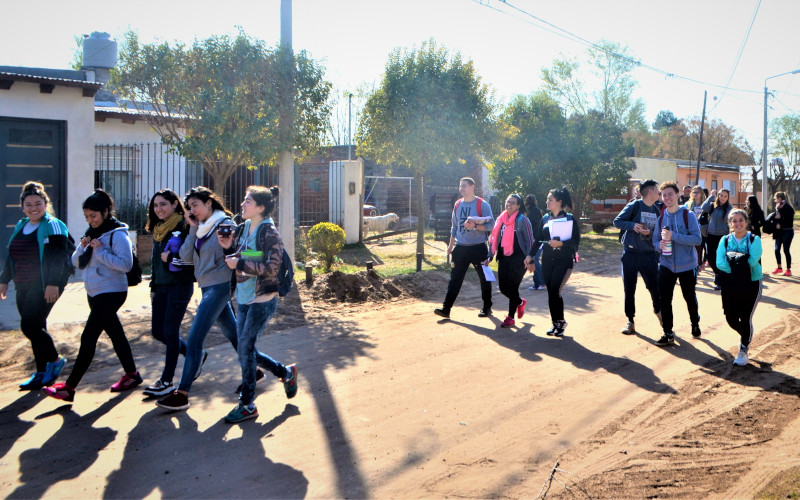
(738, 55)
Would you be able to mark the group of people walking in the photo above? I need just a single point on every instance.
(194, 240)
(664, 236)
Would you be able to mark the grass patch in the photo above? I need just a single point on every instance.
(784, 485)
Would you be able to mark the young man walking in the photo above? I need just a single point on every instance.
(638, 221)
(676, 236)
(472, 222)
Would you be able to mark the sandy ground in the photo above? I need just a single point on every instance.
(396, 403)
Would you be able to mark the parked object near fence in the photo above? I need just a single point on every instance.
(380, 224)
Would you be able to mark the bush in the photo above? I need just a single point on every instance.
(327, 239)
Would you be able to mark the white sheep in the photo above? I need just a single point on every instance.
(379, 223)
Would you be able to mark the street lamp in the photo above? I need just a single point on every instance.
(764, 153)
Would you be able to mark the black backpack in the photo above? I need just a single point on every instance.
(134, 276)
(740, 267)
(285, 274)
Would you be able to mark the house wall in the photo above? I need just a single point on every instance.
(723, 178)
(24, 100)
(661, 170)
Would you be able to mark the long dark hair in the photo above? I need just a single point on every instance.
(264, 197)
(100, 201)
(170, 196)
(562, 194)
(752, 204)
(717, 204)
(204, 194)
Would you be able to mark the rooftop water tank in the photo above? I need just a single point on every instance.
(99, 51)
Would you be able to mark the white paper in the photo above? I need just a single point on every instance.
(561, 228)
(488, 274)
(478, 220)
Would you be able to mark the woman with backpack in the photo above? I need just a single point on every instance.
(695, 205)
(171, 286)
(511, 240)
(738, 257)
(104, 255)
(38, 262)
(254, 253)
(558, 256)
(718, 207)
(784, 231)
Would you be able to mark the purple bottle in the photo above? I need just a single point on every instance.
(173, 247)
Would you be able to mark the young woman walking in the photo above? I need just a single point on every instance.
(558, 256)
(718, 207)
(738, 257)
(171, 286)
(255, 254)
(784, 232)
(695, 205)
(511, 241)
(756, 215)
(37, 261)
(104, 255)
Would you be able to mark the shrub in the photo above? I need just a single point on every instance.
(327, 239)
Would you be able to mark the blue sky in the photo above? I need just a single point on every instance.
(697, 39)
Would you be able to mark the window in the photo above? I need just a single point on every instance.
(730, 186)
(113, 170)
(714, 184)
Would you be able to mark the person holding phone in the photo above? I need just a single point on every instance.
(784, 232)
(718, 207)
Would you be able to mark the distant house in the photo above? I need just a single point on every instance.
(684, 172)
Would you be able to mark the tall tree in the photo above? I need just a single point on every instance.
(664, 119)
(721, 143)
(218, 100)
(785, 135)
(608, 86)
(429, 109)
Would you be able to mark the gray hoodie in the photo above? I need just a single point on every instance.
(209, 262)
(105, 272)
(718, 218)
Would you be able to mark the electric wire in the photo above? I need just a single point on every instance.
(738, 56)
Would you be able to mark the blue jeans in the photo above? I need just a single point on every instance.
(538, 278)
(250, 324)
(214, 306)
(169, 303)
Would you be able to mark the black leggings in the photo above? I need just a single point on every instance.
(33, 312)
(510, 271)
(103, 316)
(711, 253)
(556, 274)
(784, 237)
(739, 305)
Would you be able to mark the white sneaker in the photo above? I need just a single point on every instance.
(741, 359)
(160, 388)
(629, 329)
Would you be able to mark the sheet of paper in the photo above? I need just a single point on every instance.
(488, 274)
(561, 228)
(479, 220)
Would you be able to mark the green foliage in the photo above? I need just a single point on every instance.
(327, 239)
(430, 109)
(785, 133)
(664, 119)
(132, 213)
(77, 53)
(220, 100)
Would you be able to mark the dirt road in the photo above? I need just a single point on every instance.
(395, 404)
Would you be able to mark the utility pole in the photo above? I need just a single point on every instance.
(286, 160)
(349, 129)
(700, 148)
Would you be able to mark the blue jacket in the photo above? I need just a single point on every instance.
(105, 272)
(684, 240)
(729, 244)
(52, 237)
(637, 212)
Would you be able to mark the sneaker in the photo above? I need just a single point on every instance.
(778, 270)
(696, 331)
(259, 377)
(445, 313)
(533, 287)
(741, 358)
(160, 388)
(127, 382)
(34, 383)
(542, 287)
(561, 325)
(290, 383)
(788, 272)
(717, 288)
(53, 370)
(507, 323)
(200, 368)
(485, 312)
(552, 330)
(630, 328)
(666, 339)
(241, 413)
(60, 391)
(660, 319)
(521, 309)
(175, 401)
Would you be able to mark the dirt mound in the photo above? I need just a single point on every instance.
(365, 286)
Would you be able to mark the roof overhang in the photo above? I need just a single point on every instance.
(47, 84)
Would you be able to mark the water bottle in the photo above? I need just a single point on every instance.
(668, 245)
(174, 246)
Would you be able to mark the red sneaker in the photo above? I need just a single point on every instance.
(778, 270)
(60, 391)
(507, 323)
(788, 272)
(128, 381)
(521, 309)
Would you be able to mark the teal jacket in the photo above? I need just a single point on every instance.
(52, 236)
(729, 244)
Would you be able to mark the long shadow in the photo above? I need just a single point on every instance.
(188, 463)
(69, 452)
(532, 348)
(12, 426)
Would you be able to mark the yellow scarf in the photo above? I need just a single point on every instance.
(164, 228)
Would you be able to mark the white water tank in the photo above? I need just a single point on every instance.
(99, 51)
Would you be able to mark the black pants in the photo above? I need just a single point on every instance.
(103, 316)
(33, 312)
(711, 254)
(666, 285)
(556, 273)
(783, 237)
(646, 264)
(739, 304)
(510, 271)
(463, 257)
(169, 303)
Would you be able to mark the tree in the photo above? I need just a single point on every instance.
(610, 90)
(218, 100)
(664, 119)
(344, 115)
(429, 109)
(785, 133)
(721, 143)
